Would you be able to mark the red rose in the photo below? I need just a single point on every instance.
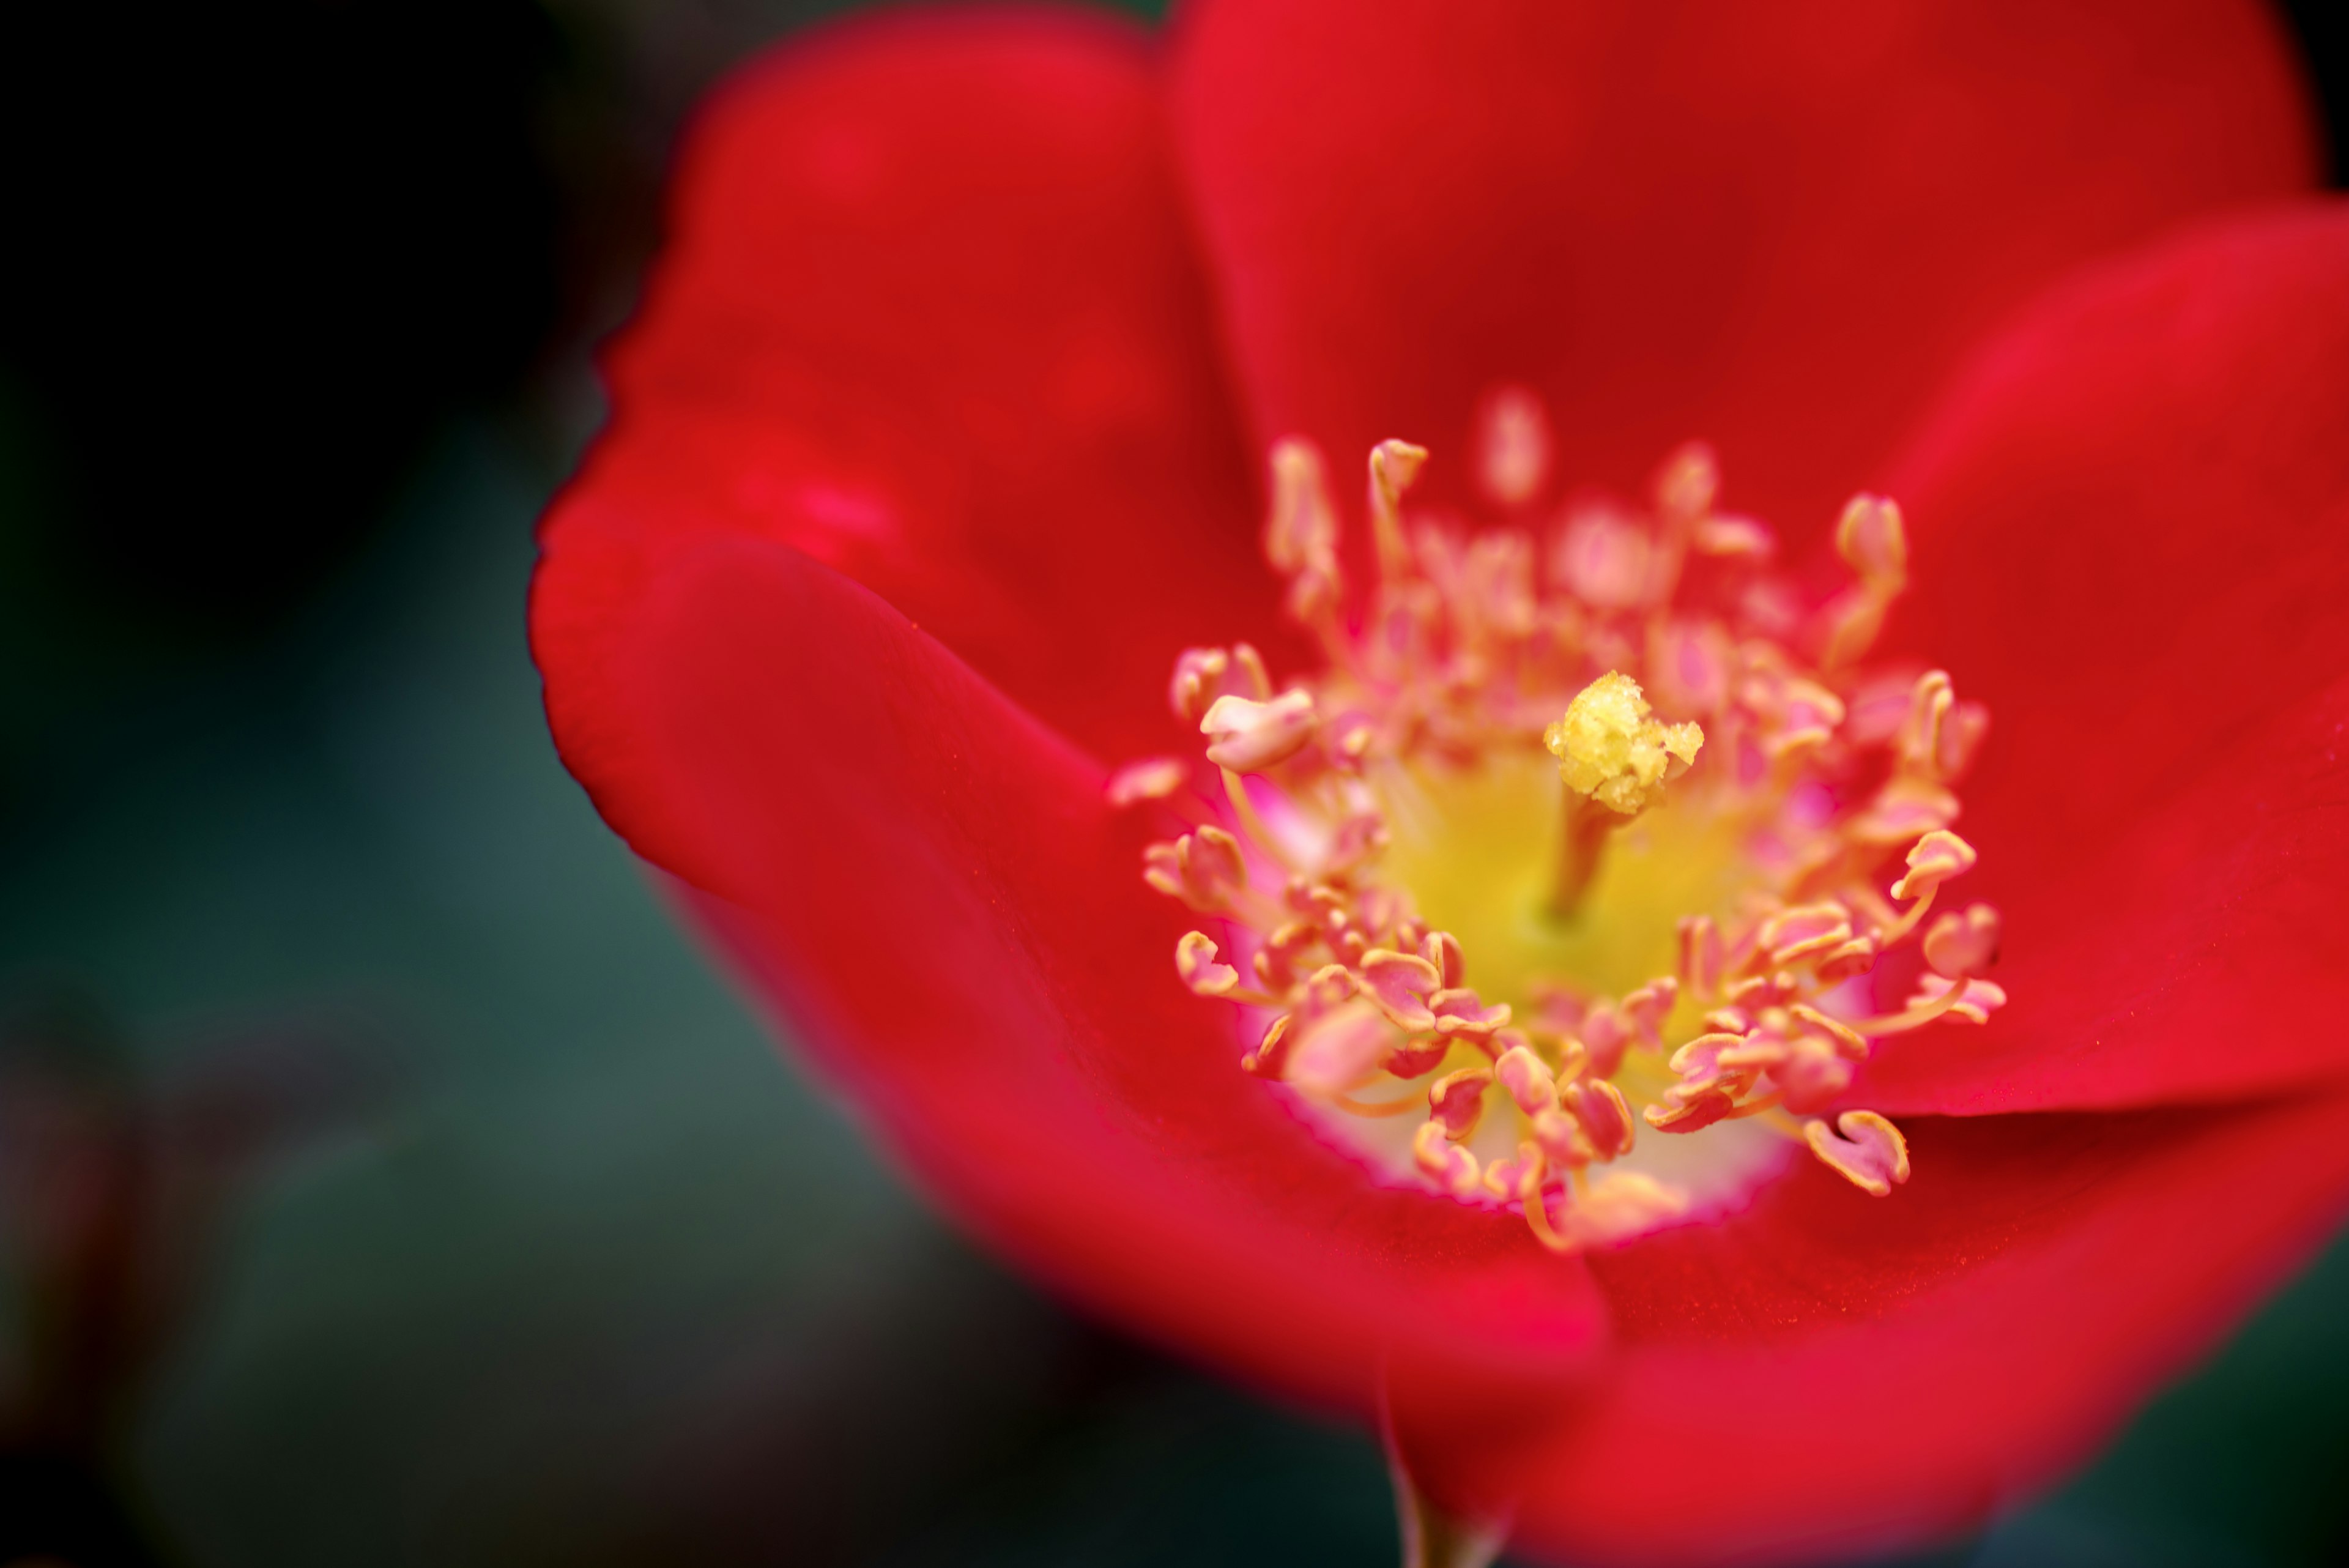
(986, 320)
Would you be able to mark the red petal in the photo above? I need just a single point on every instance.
(2132, 540)
(1831, 1372)
(930, 311)
(1772, 227)
(926, 884)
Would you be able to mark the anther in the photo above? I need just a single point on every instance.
(1339, 1051)
(1627, 1203)
(1734, 538)
(1441, 948)
(1203, 868)
(1529, 1080)
(1456, 1102)
(1393, 466)
(1646, 1008)
(1812, 1073)
(1870, 537)
(1692, 665)
(1607, 559)
(1195, 962)
(1874, 542)
(1460, 1012)
(1300, 535)
(1687, 483)
(1871, 1154)
(1963, 944)
(1451, 1167)
(1202, 675)
(1512, 446)
(1701, 957)
(1271, 1053)
(1600, 1109)
(1400, 986)
(1153, 778)
(1936, 857)
(1906, 806)
(1247, 736)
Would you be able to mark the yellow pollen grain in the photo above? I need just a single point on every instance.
(1610, 747)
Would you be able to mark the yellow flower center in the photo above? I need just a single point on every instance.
(1551, 889)
(1479, 849)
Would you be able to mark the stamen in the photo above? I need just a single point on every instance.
(1399, 985)
(1937, 857)
(1871, 1153)
(1533, 1168)
(1204, 869)
(1371, 841)
(1512, 447)
(1195, 960)
(1393, 466)
(1300, 537)
(1451, 1167)
(1352, 1107)
(1965, 944)
(1456, 1101)
(1527, 1078)
(1205, 675)
(1915, 1017)
(1153, 778)
(1977, 1000)
(1236, 790)
(1339, 1051)
(1246, 736)
(1871, 538)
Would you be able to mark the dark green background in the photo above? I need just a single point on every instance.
(531, 1252)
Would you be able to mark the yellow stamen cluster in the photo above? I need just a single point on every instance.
(1685, 960)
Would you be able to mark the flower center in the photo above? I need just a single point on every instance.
(1607, 766)
(1484, 851)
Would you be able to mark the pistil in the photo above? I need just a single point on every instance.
(1584, 827)
(1614, 757)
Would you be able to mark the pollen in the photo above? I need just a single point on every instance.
(1610, 748)
(1563, 884)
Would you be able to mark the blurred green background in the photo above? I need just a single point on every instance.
(384, 1180)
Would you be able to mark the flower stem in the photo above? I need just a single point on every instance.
(1433, 1537)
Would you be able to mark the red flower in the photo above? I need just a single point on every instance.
(981, 319)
